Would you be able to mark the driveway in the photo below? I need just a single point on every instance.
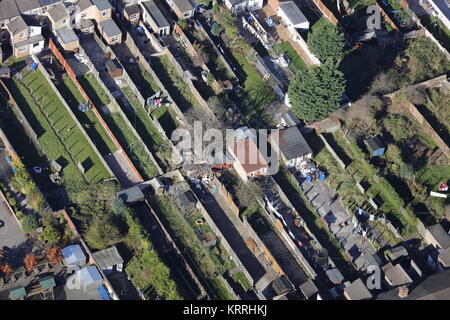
(11, 234)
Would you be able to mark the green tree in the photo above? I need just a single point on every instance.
(216, 29)
(394, 155)
(29, 223)
(51, 234)
(103, 232)
(316, 92)
(326, 41)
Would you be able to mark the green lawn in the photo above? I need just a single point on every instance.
(256, 94)
(88, 119)
(173, 82)
(147, 130)
(75, 147)
(297, 63)
(120, 129)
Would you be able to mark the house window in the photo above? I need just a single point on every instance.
(133, 17)
(114, 39)
(23, 49)
(44, 22)
(22, 35)
(104, 13)
(83, 15)
(35, 44)
(64, 21)
(187, 14)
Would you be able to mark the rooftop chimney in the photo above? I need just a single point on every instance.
(403, 292)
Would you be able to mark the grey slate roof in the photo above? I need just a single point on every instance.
(58, 12)
(17, 25)
(293, 144)
(440, 235)
(110, 28)
(443, 7)
(102, 4)
(156, 13)
(358, 290)
(132, 9)
(184, 5)
(27, 5)
(108, 257)
(396, 275)
(8, 9)
(292, 11)
(308, 289)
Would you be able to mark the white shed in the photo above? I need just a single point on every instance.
(292, 16)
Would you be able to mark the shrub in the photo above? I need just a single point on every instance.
(29, 223)
(51, 234)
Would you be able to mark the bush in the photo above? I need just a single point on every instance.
(51, 234)
(29, 223)
(103, 232)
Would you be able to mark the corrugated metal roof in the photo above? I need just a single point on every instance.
(293, 144)
(17, 293)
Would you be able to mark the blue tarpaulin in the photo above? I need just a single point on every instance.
(308, 179)
(103, 292)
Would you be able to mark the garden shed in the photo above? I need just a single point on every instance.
(74, 255)
(375, 146)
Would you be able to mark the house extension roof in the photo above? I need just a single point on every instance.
(156, 13)
(248, 155)
(110, 28)
(294, 14)
(66, 35)
(108, 257)
(58, 12)
(440, 235)
(293, 144)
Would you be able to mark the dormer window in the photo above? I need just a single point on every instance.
(22, 35)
